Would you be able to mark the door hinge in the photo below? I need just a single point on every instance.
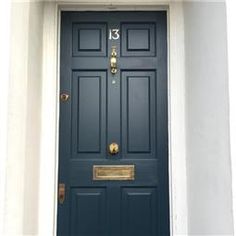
(61, 193)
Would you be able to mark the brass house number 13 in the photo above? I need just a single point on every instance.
(114, 34)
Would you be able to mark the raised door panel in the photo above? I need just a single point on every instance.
(139, 212)
(89, 114)
(138, 39)
(89, 39)
(138, 114)
(88, 211)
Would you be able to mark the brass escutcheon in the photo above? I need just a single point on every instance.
(64, 97)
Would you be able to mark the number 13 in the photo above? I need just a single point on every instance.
(114, 34)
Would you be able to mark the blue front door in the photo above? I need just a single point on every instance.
(113, 165)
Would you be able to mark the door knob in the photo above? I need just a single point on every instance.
(113, 148)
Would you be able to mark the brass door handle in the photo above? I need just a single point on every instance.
(113, 148)
(113, 60)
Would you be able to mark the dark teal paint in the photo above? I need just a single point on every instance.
(131, 112)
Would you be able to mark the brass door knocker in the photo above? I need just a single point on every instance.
(113, 60)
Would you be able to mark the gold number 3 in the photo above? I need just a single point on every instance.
(114, 34)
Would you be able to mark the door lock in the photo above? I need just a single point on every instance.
(61, 193)
(64, 97)
(113, 60)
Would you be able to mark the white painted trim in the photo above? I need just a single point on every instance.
(177, 128)
(231, 30)
(5, 12)
(50, 116)
(50, 111)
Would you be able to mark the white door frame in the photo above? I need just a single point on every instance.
(50, 109)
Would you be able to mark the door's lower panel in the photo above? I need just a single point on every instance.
(88, 212)
(137, 208)
(139, 211)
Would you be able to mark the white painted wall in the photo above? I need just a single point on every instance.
(207, 116)
(22, 166)
(17, 119)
